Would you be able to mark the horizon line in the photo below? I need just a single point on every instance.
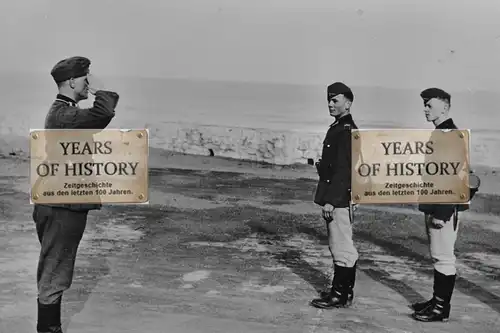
(255, 82)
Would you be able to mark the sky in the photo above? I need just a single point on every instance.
(389, 43)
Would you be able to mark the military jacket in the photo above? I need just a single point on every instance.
(65, 114)
(334, 167)
(444, 212)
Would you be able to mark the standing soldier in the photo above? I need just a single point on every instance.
(441, 222)
(334, 195)
(60, 227)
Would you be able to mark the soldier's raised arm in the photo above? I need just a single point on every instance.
(74, 82)
(96, 117)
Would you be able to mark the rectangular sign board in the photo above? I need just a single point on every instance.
(410, 166)
(89, 166)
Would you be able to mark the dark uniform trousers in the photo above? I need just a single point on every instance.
(59, 231)
(60, 227)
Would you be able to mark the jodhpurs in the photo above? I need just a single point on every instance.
(442, 245)
(340, 241)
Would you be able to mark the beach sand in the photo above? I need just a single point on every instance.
(235, 246)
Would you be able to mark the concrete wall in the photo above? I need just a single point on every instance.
(260, 145)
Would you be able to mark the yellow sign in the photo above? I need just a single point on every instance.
(410, 166)
(89, 166)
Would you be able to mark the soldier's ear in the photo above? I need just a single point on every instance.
(348, 104)
(72, 83)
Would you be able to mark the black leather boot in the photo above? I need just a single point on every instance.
(49, 318)
(338, 296)
(417, 307)
(350, 284)
(439, 309)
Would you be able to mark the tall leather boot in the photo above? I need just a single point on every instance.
(338, 296)
(351, 283)
(417, 307)
(350, 286)
(439, 309)
(49, 317)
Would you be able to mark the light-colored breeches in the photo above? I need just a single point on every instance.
(442, 245)
(340, 241)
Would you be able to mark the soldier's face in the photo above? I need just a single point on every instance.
(338, 105)
(434, 109)
(81, 87)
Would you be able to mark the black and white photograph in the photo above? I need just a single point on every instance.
(228, 205)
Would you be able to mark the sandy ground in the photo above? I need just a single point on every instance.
(231, 246)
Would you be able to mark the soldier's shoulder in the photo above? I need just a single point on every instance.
(58, 115)
(451, 123)
(350, 125)
(57, 108)
(59, 105)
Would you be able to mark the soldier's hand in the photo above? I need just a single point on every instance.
(94, 84)
(328, 212)
(437, 224)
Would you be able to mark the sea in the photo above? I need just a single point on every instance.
(151, 102)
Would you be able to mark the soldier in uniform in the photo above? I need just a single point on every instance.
(60, 227)
(334, 196)
(441, 222)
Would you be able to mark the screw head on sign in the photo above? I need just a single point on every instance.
(141, 196)
(35, 196)
(34, 136)
(140, 135)
(357, 197)
(356, 136)
(462, 196)
(461, 135)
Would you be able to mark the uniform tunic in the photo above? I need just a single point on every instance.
(334, 188)
(334, 168)
(60, 227)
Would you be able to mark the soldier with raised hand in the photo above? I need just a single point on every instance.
(333, 194)
(60, 227)
(441, 223)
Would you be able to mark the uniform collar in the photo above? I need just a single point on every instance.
(447, 124)
(66, 99)
(342, 120)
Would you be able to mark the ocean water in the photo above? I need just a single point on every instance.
(151, 102)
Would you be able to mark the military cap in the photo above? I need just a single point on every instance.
(68, 68)
(339, 88)
(431, 93)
